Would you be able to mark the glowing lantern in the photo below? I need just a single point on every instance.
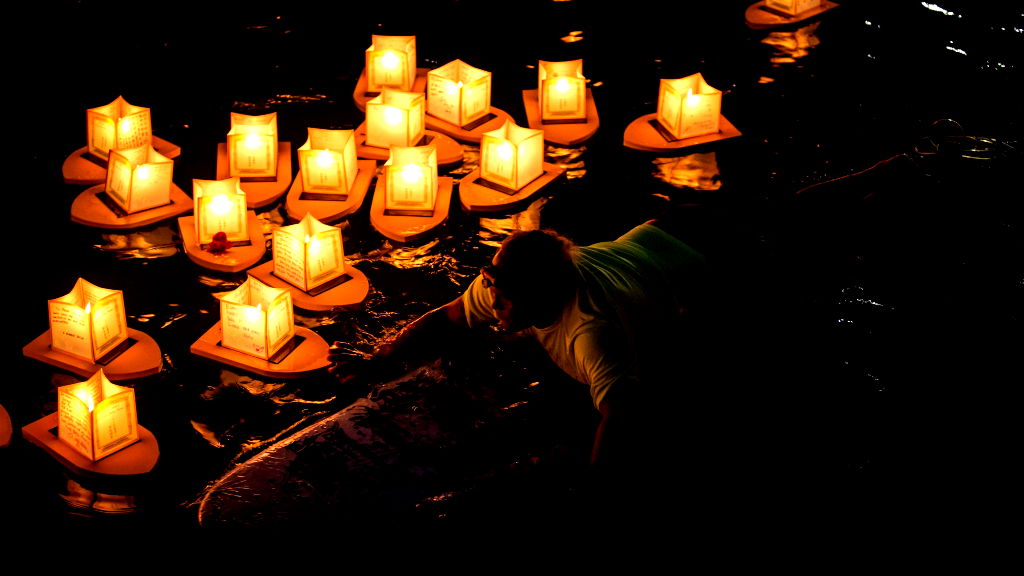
(328, 161)
(256, 319)
(411, 181)
(88, 322)
(219, 206)
(792, 7)
(391, 63)
(139, 178)
(688, 106)
(458, 93)
(308, 254)
(252, 146)
(563, 91)
(512, 156)
(118, 125)
(395, 118)
(96, 417)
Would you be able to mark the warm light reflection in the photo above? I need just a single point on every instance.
(792, 45)
(693, 171)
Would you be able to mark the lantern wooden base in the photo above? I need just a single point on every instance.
(135, 459)
(448, 150)
(81, 168)
(141, 359)
(234, 259)
(308, 357)
(89, 209)
(477, 197)
(324, 208)
(410, 228)
(6, 429)
(361, 96)
(759, 16)
(347, 295)
(642, 135)
(566, 134)
(259, 193)
(475, 130)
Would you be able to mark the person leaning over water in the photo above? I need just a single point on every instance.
(615, 315)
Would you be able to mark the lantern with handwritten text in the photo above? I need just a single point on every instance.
(308, 254)
(88, 322)
(117, 125)
(252, 146)
(689, 106)
(512, 156)
(792, 7)
(562, 90)
(97, 417)
(256, 319)
(139, 178)
(458, 93)
(391, 63)
(327, 161)
(219, 206)
(395, 118)
(411, 181)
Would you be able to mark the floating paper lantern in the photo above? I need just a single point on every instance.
(88, 322)
(252, 146)
(395, 118)
(256, 319)
(562, 90)
(458, 93)
(308, 254)
(117, 125)
(792, 7)
(689, 107)
(139, 178)
(219, 206)
(512, 156)
(391, 63)
(328, 161)
(96, 417)
(411, 181)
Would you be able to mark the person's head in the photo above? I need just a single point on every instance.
(530, 278)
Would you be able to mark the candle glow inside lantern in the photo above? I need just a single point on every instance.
(689, 107)
(562, 89)
(411, 181)
(96, 417)
(252, 146)
(308, 254)
(89, 322)
(391, 63)
(458, 93)
(792, 7)
(117, 125)
(512, 156)
(256, 319)
(139, 178)
(395, 118)
(328, 161)
(220, 206)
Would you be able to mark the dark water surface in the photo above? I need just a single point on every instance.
(866, 331)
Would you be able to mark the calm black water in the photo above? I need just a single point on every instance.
(865, 333)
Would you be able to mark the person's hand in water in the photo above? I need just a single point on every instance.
(352, 366)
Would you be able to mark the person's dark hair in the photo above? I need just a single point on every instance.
(536, 262)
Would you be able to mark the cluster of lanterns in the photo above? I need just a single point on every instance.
(96, 416)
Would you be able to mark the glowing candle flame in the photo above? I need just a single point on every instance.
(562, 85)
(504, 151)
(325, 159)
(392, 115)
(411, 173)
(255, 314)
(142, 171)
(220, 205)
(389, 60)
(125, 125)
(252, 140)
(87, 398)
